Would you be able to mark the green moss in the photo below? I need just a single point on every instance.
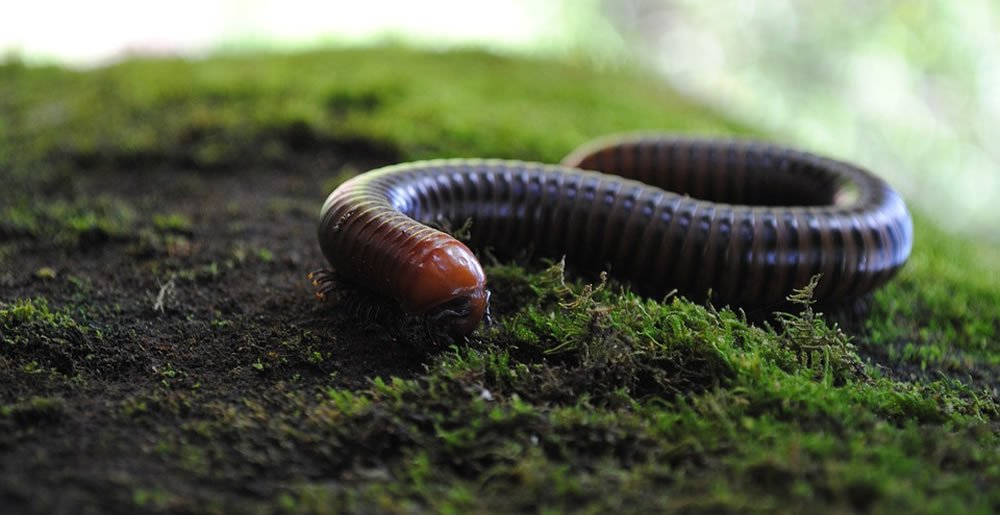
(680, 399)
(27, 311)
(173, 222)
(36, 338)
(152, 498)
(238, 109)
(26, 321)
(940, 314)
(69, 223)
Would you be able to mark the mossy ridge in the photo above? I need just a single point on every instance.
(228, 111)
(762, 427)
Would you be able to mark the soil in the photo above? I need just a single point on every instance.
(238, 293)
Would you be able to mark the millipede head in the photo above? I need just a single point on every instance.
(450, 288)
(460, 315)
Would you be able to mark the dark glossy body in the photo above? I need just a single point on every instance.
(747, 221)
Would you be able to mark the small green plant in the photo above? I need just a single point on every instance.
(265, 255)
(824, 349)
(173, 222)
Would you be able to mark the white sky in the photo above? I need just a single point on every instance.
(87, 33)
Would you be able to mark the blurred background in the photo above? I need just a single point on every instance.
(910, 89)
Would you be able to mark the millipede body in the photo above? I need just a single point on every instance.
(739, 222)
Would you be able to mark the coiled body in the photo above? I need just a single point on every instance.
(742, 222)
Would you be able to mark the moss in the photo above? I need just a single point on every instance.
(34, 410)
(37, 337)
(708, 412)
(69, 223)
(173, 222)
(152, 498)
(241, 394)
(240, 109)
(26, 320)
(939, 316)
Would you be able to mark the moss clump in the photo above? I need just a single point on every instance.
(75, 223)
(813, 344)
(615, 341)
(173, 222)
(38, 338)
(29, 321)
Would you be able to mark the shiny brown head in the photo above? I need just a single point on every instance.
(449, 286)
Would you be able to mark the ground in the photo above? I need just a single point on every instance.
(161, 348)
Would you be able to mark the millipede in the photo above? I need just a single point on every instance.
(736, 222)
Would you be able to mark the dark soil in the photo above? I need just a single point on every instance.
(240, 298)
